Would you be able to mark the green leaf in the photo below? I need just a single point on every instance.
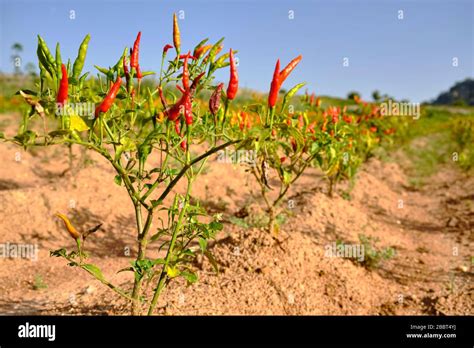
(58, 133)
(238, 222)
(158, 262)
(156, 202)
(212, 260)
(287, 177)
(26, 91)
(94, 270)
(146, 73)
(118, 180)
(126, 269)
(189, 276)
(58, 253)
(216, 226)
(203, 244)
(77, 123)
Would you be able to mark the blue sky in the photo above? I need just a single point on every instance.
(409, 58)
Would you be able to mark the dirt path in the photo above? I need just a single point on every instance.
(430, 229)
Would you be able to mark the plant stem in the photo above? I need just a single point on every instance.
(177, 228)
(142, 244)
(226, 107)
(272, 113)
(163, 275)
(185, 169)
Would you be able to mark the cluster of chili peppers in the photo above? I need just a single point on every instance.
(134, 56)
(245, 121)
(279, 77)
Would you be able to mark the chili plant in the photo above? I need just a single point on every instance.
(127, 128)
(283, 148)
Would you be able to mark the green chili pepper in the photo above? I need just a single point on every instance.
(118, 67)
(82, 79)
(68, 65)
(44, 62)
(46, 51)
(81, 57)
(290, 94)
(59, 63)
(107, 72)
(199, 45)
(214, 49)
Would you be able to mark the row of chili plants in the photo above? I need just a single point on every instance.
(132, 123)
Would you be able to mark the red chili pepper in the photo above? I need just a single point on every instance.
(215, 100)
(201, 50)
(185, 70)
(294, 146)
(184, 104)
(136, 48)
(177, 127)
(174, 111)
(187, 55)
(188, 110)
(139, 73)
(334, 113)
(178, 131)
(300, 122)
(126, 73)
(275, 85)
(347, 118)
(109, 98)
(63, 86)
(244, 121)
(373, 129)
(166, 48)
(234, 79)
(289, 68)
(125, 69)
(318, 102)
(282, 159)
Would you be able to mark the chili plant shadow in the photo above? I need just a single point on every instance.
(48, 174)
(6, 185)
(22, 307)
(112, 239)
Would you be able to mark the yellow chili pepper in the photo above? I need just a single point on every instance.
(70, 228)
(176, 34)
(160, 117)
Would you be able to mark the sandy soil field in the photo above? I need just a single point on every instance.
(432, 235)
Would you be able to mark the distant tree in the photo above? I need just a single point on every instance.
(352, 95)
(376, 95)
(17, 48)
